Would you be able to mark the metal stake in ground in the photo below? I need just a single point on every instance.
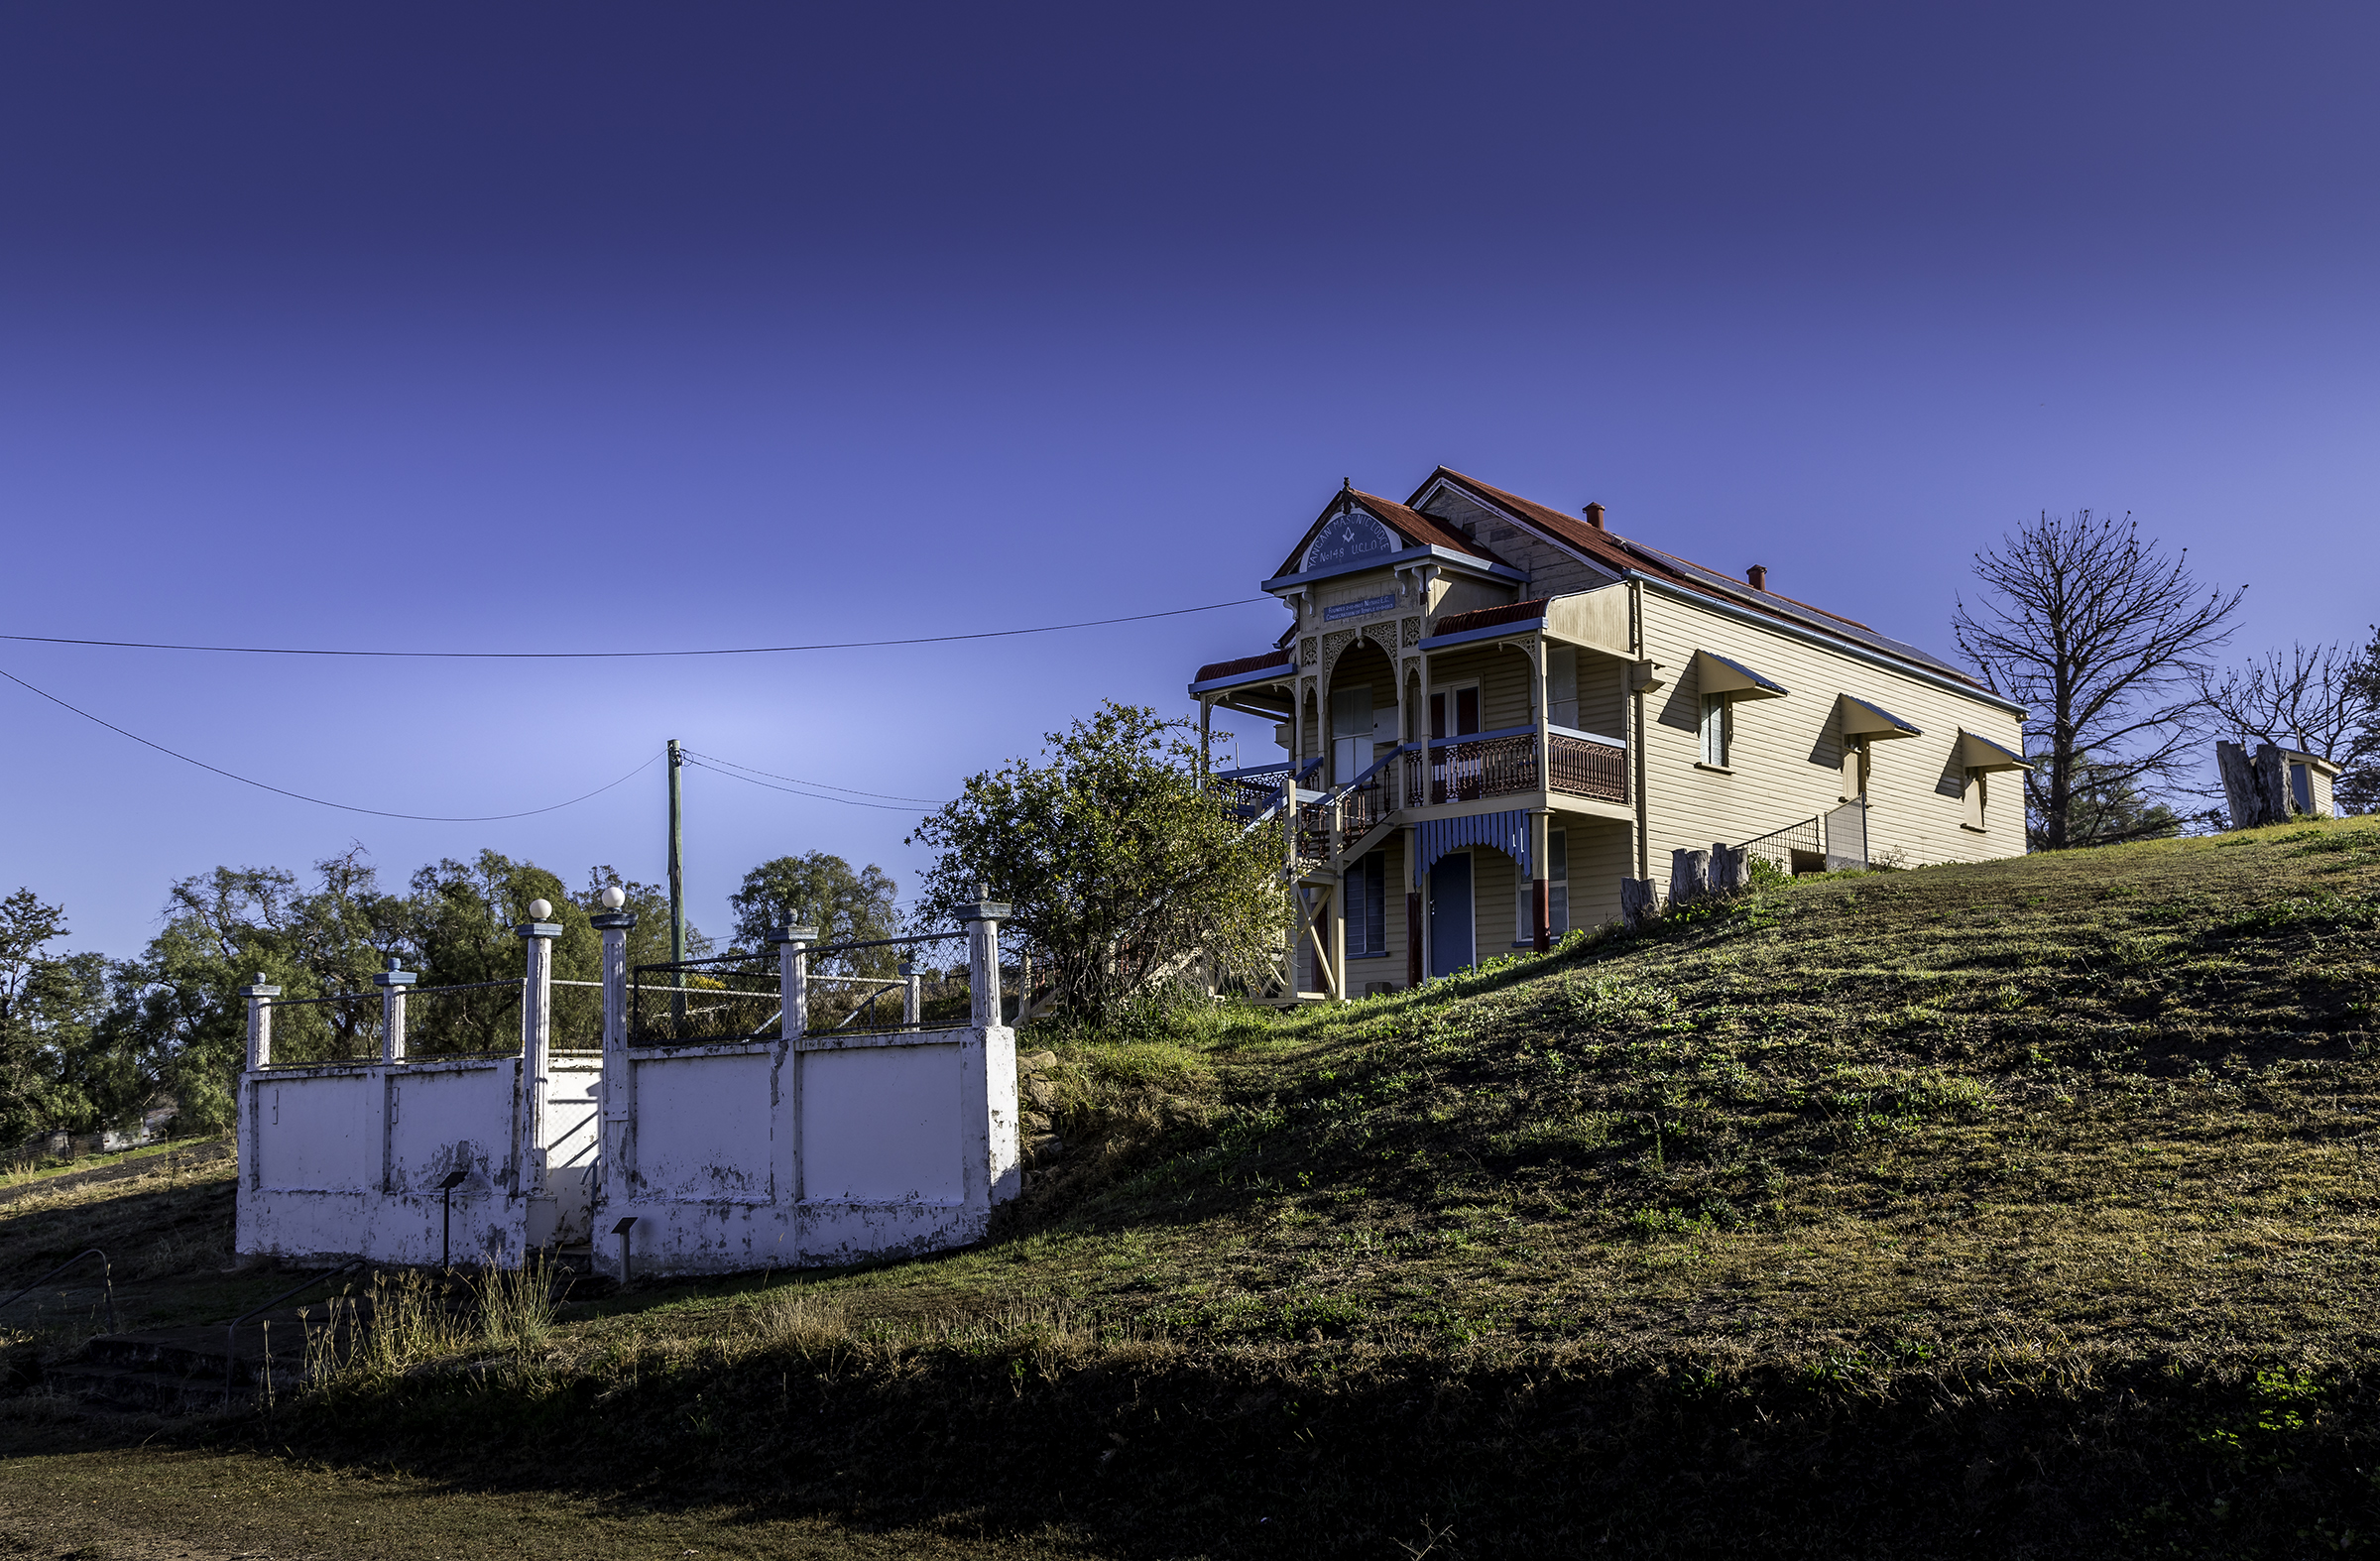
(621, 1230)
(454, 1179)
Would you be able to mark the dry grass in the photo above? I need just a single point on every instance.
(1863, 1186)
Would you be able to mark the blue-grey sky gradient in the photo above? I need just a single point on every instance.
(581, 326)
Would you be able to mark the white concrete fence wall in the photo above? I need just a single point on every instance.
(477, 1158)
(786, 1152)
(805, 1150)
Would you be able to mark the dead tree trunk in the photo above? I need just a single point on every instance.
(1688, 876)
(1636, 903)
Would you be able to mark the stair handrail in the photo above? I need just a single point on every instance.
(107, 1282)
(231, 1328)
(1378, 765)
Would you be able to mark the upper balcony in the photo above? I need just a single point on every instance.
(1420, 779)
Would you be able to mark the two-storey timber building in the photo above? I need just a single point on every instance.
(1495, 712)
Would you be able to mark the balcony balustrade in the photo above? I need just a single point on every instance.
(1501, 763)
(1457, 770)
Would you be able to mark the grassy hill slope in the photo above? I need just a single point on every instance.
(2014, 1208)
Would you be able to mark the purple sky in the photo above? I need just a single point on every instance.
(585, 326)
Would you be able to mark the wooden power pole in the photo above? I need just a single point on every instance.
(677, 881)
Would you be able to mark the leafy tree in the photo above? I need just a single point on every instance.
(822, 891)
(178, 1001)
(461, 921)
(89, 1072)
(2105, 639)
(27, 929)
(1126, 878)
(2107, 809)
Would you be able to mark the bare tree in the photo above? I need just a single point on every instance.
(2105, 639)
(2319, 699)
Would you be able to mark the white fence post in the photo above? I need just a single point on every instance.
(393, 983)
(536, 1042)
(988, 1068)
(793, 979)
(260, 1022)
(912, 992)
(617, 1084)
(260, 995)
(983, 919)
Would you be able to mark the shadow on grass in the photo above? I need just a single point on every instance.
(1144, 1450)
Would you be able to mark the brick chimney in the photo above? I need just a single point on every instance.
(1595, 515)
(1758, 576)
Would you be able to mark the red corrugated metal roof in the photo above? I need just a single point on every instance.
(1489, 617)
(1417, 529)
(1609, 547)
(1618, 552)
(1245, 664)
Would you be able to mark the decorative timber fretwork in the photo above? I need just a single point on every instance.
(1332, 643)
(1413, 631)
(1383, 635)
(1305, 651)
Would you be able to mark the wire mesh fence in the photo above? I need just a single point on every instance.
(311, 1031)
(578, 1016)
(739, 997)
(702, 1002)
(476, 1021)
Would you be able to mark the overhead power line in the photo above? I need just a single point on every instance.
(714, 759)
(847, 802)
(344, 807)
(602, 655)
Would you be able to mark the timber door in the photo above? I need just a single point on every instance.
(1449, 913)
(1351, 733)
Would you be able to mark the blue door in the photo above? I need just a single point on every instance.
(1449, 913)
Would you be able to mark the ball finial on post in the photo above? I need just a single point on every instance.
(612, 897)
(539, 910)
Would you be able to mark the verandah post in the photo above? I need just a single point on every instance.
(537, 1043)
(1541, 898)
(1414, 933)
(617, 1083)
(1540, 886)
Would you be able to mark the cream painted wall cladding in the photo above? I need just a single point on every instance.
(714, 1132)
(1542, 723)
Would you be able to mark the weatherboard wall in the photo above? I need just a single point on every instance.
(1786, 760)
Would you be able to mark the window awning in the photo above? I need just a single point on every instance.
(2314, 762)
(1716, 674)
(1861, 719)
(1981, 753)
